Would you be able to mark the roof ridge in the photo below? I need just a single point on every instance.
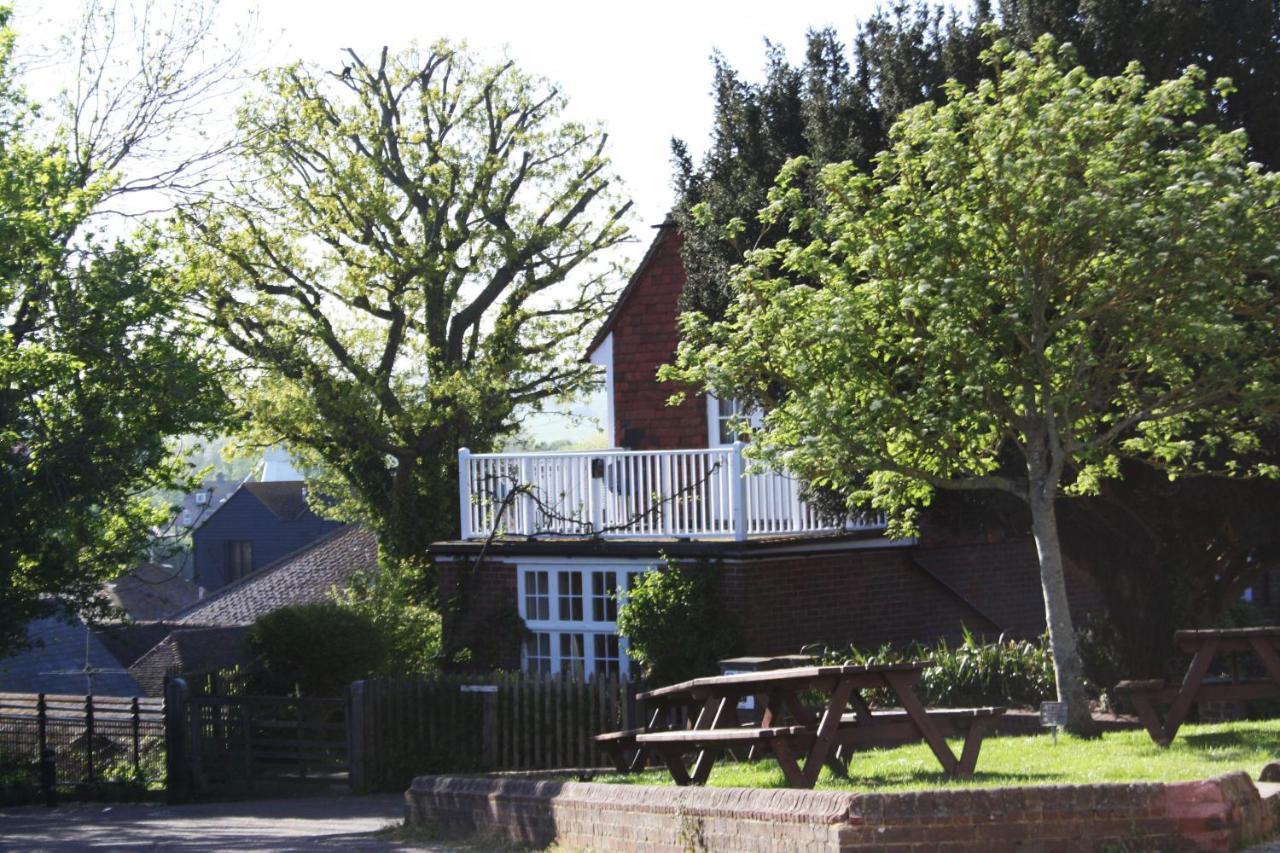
(265, 571)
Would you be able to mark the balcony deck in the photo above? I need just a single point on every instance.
(628, 494)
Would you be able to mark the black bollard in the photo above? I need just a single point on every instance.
(49, 777)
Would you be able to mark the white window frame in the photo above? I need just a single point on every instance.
(587, 626)
(714, 422)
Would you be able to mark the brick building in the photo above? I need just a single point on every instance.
(583, 525)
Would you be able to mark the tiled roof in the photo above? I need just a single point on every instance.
(287, 499)
(189, 652)
(150, 592)
(303, 577)
(56, 660)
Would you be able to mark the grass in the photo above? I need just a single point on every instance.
(1199, 752)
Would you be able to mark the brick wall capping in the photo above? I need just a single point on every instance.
(1221, 813)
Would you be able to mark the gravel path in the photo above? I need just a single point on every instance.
(320, 823)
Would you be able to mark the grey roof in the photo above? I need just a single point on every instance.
(151, 592)
(216, 490)
(190, 652)
(59, 649)
(305, 576)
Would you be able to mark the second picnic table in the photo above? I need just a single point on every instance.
(1204, 646)
(803, 738)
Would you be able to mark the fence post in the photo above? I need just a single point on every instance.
(176, 742)
(464, 490)
(356, 776)
(739, 487)
(88, 737)
(49, 776)
(136, 713)
(42, 721)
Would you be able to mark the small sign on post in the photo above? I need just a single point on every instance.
(1054, 716)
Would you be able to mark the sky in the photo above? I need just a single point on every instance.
(642, 69)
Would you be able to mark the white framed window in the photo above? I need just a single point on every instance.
(537, 595)
(537, 652)
(722, 415)
(571, 612)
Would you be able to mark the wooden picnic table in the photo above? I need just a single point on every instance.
(803, 738)
(1205, 645)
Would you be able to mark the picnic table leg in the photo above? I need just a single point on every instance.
(1190, 687)
(674, 759)
(718, 717)
(1266, 652)
(787, 761)
(901, 683)
(972, 744)
(826, 734)
(1150, 719)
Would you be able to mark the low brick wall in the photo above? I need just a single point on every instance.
(1215, 814)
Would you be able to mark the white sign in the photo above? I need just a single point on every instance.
(479, 688)
(746, 703)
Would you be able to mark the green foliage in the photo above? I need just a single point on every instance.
(395, 603)
(316, 648)
(411, 255)
(973, 673)
(676, 623)
(1053, 268)
(98, 366)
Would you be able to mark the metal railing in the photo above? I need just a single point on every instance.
(619, 494)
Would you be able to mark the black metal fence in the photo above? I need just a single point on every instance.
(96, 746)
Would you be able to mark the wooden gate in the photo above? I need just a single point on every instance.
(262, 745)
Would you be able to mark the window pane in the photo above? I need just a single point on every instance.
(570, 588)
(608, 659)
(604, 601)
(537, 602)
(573, 657)
(537, 650)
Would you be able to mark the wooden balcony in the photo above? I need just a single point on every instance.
(626, 494)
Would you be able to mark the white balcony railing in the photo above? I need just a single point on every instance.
(623, 494)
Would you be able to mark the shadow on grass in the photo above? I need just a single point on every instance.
(1240, 743)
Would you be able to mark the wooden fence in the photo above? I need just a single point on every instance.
(95, 740)
(506, 721)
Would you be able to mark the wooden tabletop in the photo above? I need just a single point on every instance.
(774, 677)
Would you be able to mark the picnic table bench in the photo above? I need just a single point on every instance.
(1205, 645)
(800, 737)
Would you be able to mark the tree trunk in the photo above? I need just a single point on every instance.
(1067, 666)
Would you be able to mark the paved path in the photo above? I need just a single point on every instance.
(320, 823)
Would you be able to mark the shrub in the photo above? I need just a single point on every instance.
(1005, 672)
(395, 602)
(675, 623)
(317, 649)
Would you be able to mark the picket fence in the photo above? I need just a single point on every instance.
(404, 727)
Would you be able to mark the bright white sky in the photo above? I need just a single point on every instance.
(641, 68)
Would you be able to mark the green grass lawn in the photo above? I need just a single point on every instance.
(1200, 751)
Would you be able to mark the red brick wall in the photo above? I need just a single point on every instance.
(485, 618)
(644, 337)
(1215, 814)
(871, 597)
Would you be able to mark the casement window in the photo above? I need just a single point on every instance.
(573, 630)
(239, 558)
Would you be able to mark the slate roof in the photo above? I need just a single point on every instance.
(190, 652)
(287, 499)
(59, 647)
(303, 577)
(151, 592)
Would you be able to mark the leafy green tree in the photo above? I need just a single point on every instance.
(408, 258)
(98, 364)
(676, 623)
(317, 649)
(1165, 554)
(1051, 267)
(393, 601)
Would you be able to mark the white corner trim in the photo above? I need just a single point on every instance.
(602, 356)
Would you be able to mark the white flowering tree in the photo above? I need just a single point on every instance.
(1042, 276)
